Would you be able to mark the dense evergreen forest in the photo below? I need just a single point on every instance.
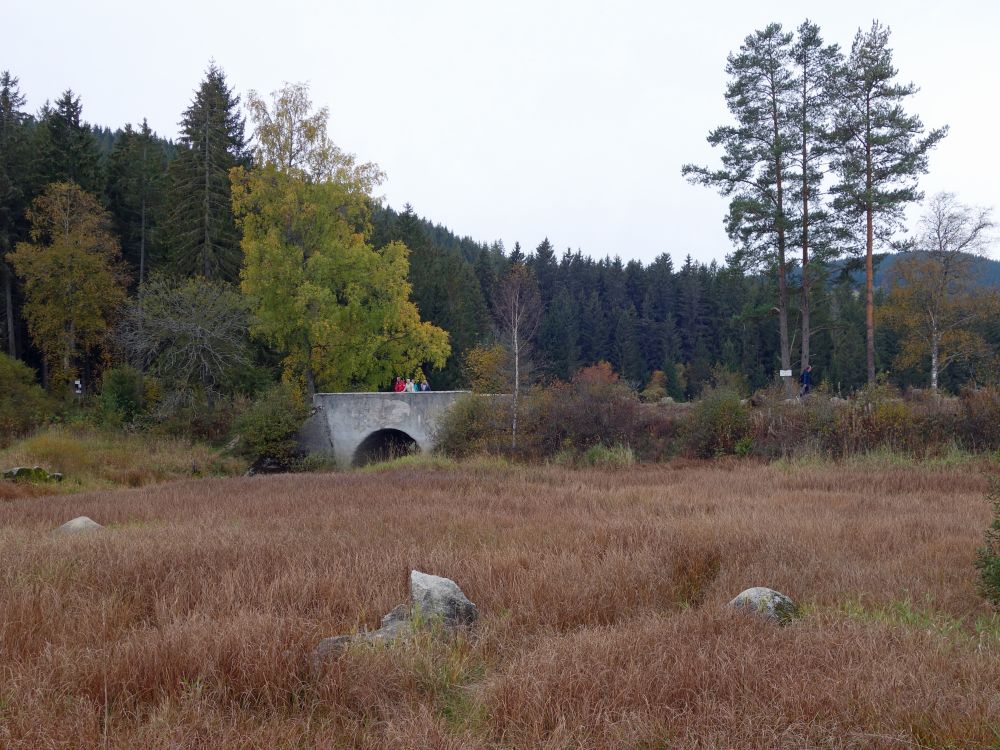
(686, 323)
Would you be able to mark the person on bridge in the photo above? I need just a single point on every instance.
(397, 385)
(424, 385)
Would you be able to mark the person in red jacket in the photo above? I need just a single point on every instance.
(397, 385)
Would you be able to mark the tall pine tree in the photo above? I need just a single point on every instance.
(815, 68)
(880, 152)
(756, 155)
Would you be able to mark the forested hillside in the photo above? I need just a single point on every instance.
(159, 213)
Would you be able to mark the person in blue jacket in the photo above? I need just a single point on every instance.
(805, 381)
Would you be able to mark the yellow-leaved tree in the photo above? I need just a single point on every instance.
(337, 307)
(73, 276)
(936, 302)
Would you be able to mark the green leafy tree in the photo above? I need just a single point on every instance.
(72, 275)
(880, 151)
(339, 308)
(23, 405)
(201, 234)
(757, 152)
(136, 181)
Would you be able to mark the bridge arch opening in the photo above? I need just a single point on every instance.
(384, 445)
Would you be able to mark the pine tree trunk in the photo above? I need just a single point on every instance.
(8, 289)
(870, 299)
(804, 311)
(869, 262)
(786, 355)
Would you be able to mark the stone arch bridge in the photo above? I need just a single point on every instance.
(358, 428)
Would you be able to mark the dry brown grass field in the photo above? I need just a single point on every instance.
(187, 623)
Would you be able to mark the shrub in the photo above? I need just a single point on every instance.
(474, 424)
(718, 423)
(268, 427)
(23, 404)
(979, 423)
(595, 407)
(123, 395)
(988, 556)
(609, 457)
(199, 419)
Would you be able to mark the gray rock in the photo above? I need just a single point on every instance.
(78, 525)
(435, 597)
(433, 600)
(31, 474)
(768, 603)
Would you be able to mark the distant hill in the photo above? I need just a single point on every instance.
(987, 271)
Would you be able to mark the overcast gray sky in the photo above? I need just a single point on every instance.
(513, 120)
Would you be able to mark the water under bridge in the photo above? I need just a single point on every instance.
(358, 428)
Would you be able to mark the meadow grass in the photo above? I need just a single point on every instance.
(189, 621)
(90, 458)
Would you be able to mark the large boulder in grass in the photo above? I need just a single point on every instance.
(436, 598)
(433, 601)
(767, 603)
(79, 525)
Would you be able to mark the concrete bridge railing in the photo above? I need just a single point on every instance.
(357, 428)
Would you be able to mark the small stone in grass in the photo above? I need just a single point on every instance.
(770, 604)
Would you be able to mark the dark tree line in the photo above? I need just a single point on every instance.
(169, 201)
(818, 163)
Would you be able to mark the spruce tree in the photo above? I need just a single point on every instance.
(201, 235)
(68, 149)
(880, 153)
(14, 192)
(445, 291)
(559, 335)
(136, 175)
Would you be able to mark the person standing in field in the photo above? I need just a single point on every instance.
(805, 381)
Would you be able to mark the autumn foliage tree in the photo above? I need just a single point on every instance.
(72, 275)
(936, 301)
(337, 307)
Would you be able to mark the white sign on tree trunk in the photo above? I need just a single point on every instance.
(785, 373)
